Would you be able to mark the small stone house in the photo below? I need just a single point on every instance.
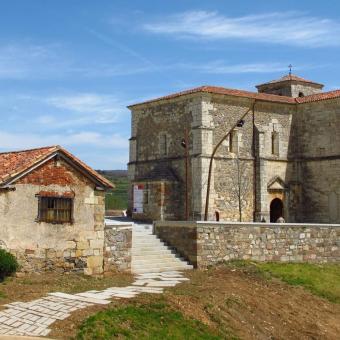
(52, 210)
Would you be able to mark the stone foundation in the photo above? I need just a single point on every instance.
(207, 243)
(117, 247)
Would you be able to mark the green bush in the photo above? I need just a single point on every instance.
(8, 264)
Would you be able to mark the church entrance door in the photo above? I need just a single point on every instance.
(276, 210)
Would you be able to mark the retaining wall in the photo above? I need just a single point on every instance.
(207, 243)
(117, 247)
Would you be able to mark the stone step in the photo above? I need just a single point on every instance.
(139, 270)
(151, 248)
(174, 260)
(147, 243)
(150, 254)
(155, 255)
(160, 264)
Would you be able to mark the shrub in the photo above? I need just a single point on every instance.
(8, 264)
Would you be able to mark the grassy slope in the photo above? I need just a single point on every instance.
(151, 321)
(116, 199)
(239, 299)
(322, 280)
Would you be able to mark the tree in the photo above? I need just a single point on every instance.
(240, 183)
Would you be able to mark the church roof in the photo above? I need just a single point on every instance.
(16, 163)
(225, 91)
(247, 94)
(290, 77)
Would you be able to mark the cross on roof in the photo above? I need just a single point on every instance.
(290, 69)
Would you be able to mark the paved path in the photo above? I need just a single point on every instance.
(34, 318)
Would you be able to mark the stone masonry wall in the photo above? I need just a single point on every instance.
(207, 243)
(318, 127)
(41, 246)
(117, 251)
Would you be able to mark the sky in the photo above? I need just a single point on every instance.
(69, 68)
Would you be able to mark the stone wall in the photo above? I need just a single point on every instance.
(150, 123)
(117, 251)
(207, 243)
(318, 154)
(40, 246)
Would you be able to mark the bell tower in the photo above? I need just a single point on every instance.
(290, 86)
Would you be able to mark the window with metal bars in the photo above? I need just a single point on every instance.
(55, 210)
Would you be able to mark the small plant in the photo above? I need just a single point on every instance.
(8, 264)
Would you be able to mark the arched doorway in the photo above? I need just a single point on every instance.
(276, 210)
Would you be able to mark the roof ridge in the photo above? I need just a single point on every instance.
(221, 90)
(57, 147)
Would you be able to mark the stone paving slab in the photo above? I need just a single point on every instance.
(80, 298)
(33, 318)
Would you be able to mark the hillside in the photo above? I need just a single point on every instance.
(116, 199)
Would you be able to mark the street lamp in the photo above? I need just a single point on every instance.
(239, 123)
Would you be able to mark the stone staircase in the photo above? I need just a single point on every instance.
(151, 255)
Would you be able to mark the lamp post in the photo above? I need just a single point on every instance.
(239, 123)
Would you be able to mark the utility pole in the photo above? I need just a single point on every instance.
(239, 123)
(185, 145)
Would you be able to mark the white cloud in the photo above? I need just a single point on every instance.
(20, 61)
(220, 67)
(105, 107)
(290, 28)
(14, 140)
(34, 61)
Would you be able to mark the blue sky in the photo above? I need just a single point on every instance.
(69, 68)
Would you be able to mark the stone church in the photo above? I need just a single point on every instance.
(279, 154)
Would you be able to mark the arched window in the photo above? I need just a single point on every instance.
(301, 94)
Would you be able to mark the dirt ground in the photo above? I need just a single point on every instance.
(236, 301)
(253, 307)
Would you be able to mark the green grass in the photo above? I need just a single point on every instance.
(153, 321)
(116, 199)
(321, 279)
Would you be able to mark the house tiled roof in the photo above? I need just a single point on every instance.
(290, 77)
(13, 164)
(247, 94)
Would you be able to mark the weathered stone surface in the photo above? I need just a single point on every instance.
(117, 248)
(205, 243)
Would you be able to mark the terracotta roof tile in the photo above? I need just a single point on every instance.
(289, 77)
(224, 91)
(15, 163)
(247, 94)
(319, 97)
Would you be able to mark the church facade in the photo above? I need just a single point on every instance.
(279, 155)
